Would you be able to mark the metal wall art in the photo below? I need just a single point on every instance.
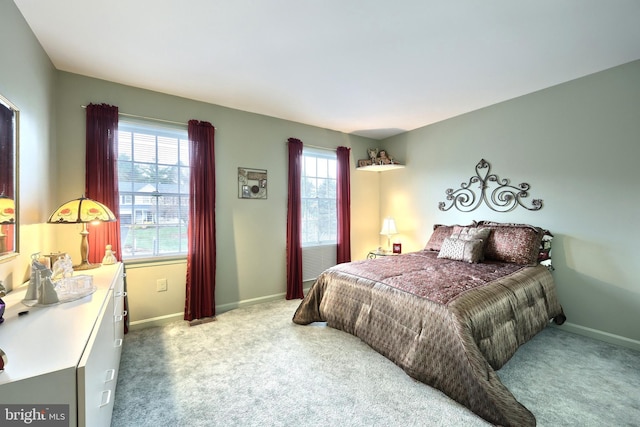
(252, 183)
(503, 198)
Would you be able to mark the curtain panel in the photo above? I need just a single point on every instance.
(201, 256)
(101, 177)
(6, 146)
(343, 196)
(294, 222)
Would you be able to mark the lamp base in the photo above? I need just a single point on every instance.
(85, 265)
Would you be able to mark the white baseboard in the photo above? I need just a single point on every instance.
(155, 321)
(162, 320)
(600, 335)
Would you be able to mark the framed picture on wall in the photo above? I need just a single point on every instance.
(252, 183)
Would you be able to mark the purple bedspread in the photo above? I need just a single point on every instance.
(447, 323)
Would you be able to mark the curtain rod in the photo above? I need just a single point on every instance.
(315, 146)
(135, 116)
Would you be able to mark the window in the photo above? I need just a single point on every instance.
(153, 180)
(319, 211)
(318, 198)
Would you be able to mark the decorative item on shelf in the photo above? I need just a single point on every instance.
(252, 183)
(50, 259)
(62, 267)
(378, 160)
(82, 211)
(7, 218)
(389, 229)
(109, 256)
(47, 287)
(41, 290)
(373, 155)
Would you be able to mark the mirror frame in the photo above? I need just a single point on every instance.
(5, 256)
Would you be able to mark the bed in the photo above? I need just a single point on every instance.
(451, 314)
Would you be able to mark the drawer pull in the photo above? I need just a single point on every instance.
(105, 402)
(111, 374)
(121, 294)
(118, 342)
(119, 317)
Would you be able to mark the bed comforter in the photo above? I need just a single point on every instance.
(447, 323)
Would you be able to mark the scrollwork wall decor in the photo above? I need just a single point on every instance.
(503, 198)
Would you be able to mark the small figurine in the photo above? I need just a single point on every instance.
(62, 267)
(373, 154)
(109, 256)
(47, 294)
(34, 281)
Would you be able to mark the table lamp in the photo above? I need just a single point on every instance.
(82, 211)
(389, 229)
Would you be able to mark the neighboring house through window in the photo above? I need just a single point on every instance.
(153, 180)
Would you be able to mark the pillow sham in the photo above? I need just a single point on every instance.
(462, 250)
(441, 232)
(514, 243)
(469, 233)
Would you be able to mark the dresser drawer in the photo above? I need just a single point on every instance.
(98, 371)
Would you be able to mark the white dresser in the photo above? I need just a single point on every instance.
(66, 353)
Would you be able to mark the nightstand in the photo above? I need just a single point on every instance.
(377, 253)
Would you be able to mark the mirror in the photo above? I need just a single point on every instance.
(9, 121)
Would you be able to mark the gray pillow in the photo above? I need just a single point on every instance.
(462, 250)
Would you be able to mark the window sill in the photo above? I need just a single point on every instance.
(155, 261)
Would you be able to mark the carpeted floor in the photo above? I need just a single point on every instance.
(254, 367)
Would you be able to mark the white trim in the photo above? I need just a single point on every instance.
(601, 335)
(155, 321)
(162, 320)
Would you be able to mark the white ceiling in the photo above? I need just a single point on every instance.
(369, 67)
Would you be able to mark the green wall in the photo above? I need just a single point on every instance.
(27, 79)
(251, 262)
(577, 144)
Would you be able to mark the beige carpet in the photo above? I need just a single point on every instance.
(254, 367)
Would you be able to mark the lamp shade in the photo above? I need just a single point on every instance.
(81, 210)
(389, 227)
(7, 210)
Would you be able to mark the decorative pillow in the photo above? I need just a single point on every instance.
(472, 233)
(440, 232)
(515, 243)
(469, 233)
(461, 250)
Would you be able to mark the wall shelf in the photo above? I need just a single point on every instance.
(380, 168)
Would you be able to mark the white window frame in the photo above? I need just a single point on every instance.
(155, 212)
(318, 191)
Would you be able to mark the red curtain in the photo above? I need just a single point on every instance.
(343, 194)
(294, 222)
(7, 149)
(201, 257)
(7, 179)
(101, 177)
